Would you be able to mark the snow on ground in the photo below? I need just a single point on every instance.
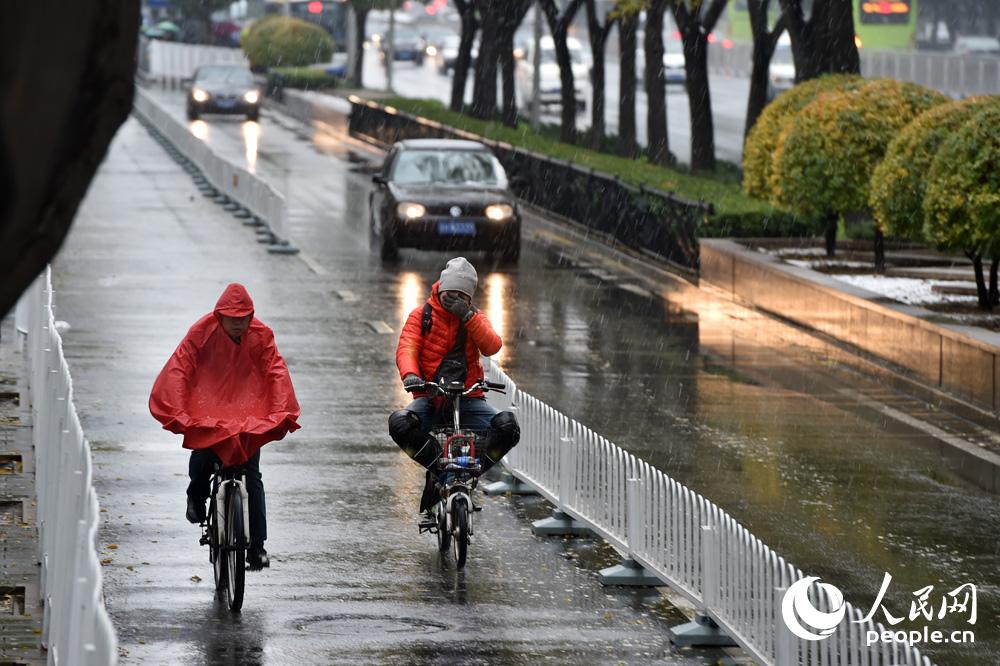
(912, 291)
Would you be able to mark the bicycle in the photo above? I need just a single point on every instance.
(460, 468)
(226, 531)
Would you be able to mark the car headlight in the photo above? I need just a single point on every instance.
(410, 211)
(500, 212)
(251, 96)
(432, 51)
(199, 95)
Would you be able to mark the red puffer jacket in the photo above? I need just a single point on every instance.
(422, 354)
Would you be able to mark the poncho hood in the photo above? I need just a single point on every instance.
(234, 302)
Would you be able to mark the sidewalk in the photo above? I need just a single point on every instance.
(20, 605)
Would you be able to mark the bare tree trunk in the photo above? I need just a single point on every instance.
(879, 251)
(510, 20)
(559, 27)
(360, 20)
(484, 84)
(981, 289)
(823, 44)
(831, 221)
(598, 37)
(695, 26)
(626, 85)
(464, 59)
(764, 43)
(657, 139)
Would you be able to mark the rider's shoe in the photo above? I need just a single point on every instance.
(428, 519)
(257, 558)
(196, 511)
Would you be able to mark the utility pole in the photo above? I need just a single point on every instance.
(536, 73)
(287, 7)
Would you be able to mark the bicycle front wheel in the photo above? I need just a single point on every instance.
(235, 552)
(215, 553)
(460, 536)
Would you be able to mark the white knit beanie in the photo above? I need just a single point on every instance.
(459, 275)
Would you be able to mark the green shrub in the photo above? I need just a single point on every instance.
(824, 160)
(734, 212)
(304, 78)
(962, 202)
(283, 41)
(758, 153)
(899, 182)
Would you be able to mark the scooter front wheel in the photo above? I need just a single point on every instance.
(460, 525)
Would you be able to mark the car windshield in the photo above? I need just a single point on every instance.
(448, 167)
(234, 75)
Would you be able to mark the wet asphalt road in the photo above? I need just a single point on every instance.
(351, 580)
(750, 413)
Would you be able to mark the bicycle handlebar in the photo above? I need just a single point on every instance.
(434, 387)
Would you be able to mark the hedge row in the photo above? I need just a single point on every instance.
(283, 41)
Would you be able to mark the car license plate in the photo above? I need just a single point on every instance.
(456, 228)
(227, 103)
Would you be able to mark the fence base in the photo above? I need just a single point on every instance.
(559, 524)
(253, 221)
(703, 632)
(282, 247)
(508, 483)
(628, 573)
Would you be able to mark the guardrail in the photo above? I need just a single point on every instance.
(172, 62)
(682, 539)
(231, 184)
(950, 73)
(76, 628)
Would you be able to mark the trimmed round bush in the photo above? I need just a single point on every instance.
(824, 160)
(962, 201)
(283, 41)
(899, 182)
(758, 153)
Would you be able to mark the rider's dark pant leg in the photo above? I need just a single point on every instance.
(258, 510)
(200, 471)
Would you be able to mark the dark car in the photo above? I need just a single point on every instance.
(406, 45)
(223, 89)
(442, 194)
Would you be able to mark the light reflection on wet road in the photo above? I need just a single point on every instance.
(743, 409)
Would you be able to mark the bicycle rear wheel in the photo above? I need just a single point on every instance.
(235, 555)
(460, 538)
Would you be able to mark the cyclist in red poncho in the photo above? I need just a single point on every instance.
(228, 391)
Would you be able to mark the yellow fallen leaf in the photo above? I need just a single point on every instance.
(106, 561)
(196, 579)
(112, 546)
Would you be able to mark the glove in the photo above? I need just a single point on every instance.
(412, 381)
(458, 307)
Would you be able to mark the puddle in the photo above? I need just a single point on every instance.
(357, 624)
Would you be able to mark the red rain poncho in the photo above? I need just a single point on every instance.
(230, 397)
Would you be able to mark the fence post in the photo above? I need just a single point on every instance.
(784, 641)
(629, 572)
(703, 631)
(561, 523)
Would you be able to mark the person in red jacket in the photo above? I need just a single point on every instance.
(228, 391)
(442, 341)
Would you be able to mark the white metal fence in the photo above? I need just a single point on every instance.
(248, 190)
(172, 62)
(76, 626)
(685, 540)
(952, 74)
